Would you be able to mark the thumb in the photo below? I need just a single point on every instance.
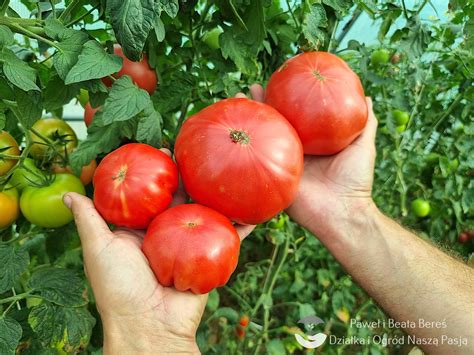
(92, 229)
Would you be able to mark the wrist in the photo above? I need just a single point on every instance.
(136, 337)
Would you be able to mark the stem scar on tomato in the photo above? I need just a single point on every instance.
(318, 75)
(239, 137)
(122, 173)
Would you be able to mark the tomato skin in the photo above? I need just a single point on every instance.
(133, 184)
(192, 247)
(244, 321)
(400, 117)
(9, 206)
(340, 111)
(87, 171)
(421, 208)
(379, 57)
(140, 72)
(22, 178)
(247, 182)
(211, 38)
(56, 131)
(89, 113)
(44, 206)
(8, 145)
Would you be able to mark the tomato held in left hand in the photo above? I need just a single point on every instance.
(8, 145)
(9, 206)
(44, 206)
(55, 137)
(140, 72)
(133, 184)
(322, 98)
(192, 247)
(241, 158)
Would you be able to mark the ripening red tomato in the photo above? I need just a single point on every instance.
(87, 171)
(192, 247)
(9, 206)
(89, 113)
(133, 184)
(322, 98)
(244, 320)
(140, 72)
(241, 158)
(8, 145)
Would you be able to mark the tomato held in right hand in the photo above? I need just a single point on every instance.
(322, 98)
(241, 158)
(192, 247)
(133, 184)
(8, 145)
(9, 206)
(44, 205)
(140, 72)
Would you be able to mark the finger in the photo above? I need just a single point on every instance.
(368, 134)
(244, 230)
(166, 151)
(134, 235)
(180, 197)
(257, 92)
(241, 95)
(91, 227)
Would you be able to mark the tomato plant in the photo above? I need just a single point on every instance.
(9, 206)
(9, 150)
(192, 247)
(327, 127)
(89, 113)
(43, 205)
(231, 142)
(133, 184)
(52, 138)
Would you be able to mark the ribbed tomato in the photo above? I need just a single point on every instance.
(192, 247)
(133, 184)
(322, 98)
(241, 158)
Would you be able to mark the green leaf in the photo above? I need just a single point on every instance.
(93, 63)
(30, 107)
(171, 7)
(70, 48)
(159, 28)
(149, 127)
(125, 101)
(14, 262)
(61, 286)
(238, 51)
(10, 335)
(314, 21)
(3, 119)
(17, 71)
(57, 94)
(70, 328)
(213, 301)
(340, 6)
(169, 96)
(275, 347)
(131, 20)
(6, 36)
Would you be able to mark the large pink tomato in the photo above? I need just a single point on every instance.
(322, 98)
(241, 158)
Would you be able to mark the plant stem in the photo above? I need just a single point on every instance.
(31, 34)
(73, 22)
(405, 12)
(67, 12)
(17, 297)
(4, 7)
(348, 26)
(297, 24)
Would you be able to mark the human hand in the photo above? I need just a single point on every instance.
(139, 315)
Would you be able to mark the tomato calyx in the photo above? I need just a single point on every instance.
(318, 75)
(239, 137)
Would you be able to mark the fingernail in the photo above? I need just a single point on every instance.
(67, 200)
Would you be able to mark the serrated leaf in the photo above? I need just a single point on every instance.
(6, 36)
(14, 262)
(169, 97)
(131, 20)
(57, 94)
(124, 102)
(68, 327)
(61, 286)
(149, 127)
(54, 28)
(238, 51)
(93, 63)
(10, 335)
(29, 107)
(339, 6)
(314, 21)
(17, 71)
(171, 7)
(70, 48)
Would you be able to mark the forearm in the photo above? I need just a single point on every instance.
(411, 279)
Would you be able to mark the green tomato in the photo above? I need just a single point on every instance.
(44, 206)
(400, 117)
(27, 175)
(211, 38)
(379, 57)
(454, 164)
(384, 130)
(83, 97)
(401, 128)
(421, 208)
